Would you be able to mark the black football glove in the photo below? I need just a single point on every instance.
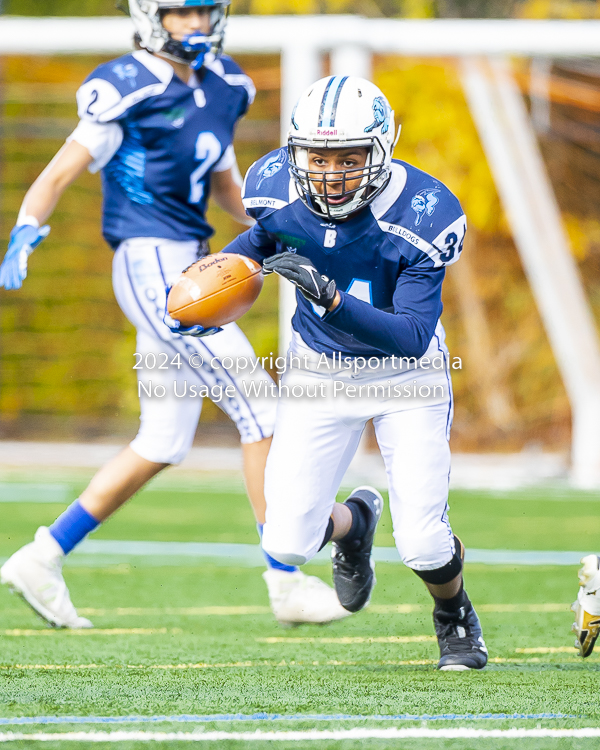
(301, 272)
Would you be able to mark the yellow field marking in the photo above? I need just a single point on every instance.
(351, 639)
(536, 660)
(407, 609)
(377, 609)
(550, 607)
(226, 665)
(273, 664)
(55, 667)
(95, 631)
(186, 611)
(547, 650)
(395, 609)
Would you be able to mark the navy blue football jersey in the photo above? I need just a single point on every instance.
(388, 260)
(158, 182)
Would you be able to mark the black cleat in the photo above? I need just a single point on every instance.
(353, 569)
(460, 639)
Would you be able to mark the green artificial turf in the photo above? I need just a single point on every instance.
(203, 663)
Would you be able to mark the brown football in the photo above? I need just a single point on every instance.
(215, 290)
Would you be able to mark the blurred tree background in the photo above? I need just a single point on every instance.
(66, 349)
(381, 8)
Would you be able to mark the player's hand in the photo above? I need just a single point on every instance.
(175, 326)
(23, 240)
(301, 272)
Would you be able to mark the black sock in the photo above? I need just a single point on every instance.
(360, 521)
(328, 533)
(452, 607)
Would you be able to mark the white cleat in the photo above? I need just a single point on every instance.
(297, 598)
(35, 572)
(587, 606)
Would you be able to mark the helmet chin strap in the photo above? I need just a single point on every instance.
(194, 46)
(197, 43)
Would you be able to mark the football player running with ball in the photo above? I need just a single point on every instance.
(366, 240)
(587, 606)
(159, 124)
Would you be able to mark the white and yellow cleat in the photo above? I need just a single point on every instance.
(297, 598)
(35, 573)
(587, 606)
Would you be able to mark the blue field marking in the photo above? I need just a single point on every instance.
(13, 492)
(191, 719)
(249, 553)
(99, 552)
(517, 557)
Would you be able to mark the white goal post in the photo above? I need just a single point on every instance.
(499, 114)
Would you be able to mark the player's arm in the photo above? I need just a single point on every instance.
(226, 187)
(91, 146)
(41, 198)
(39, 202)
(407, 331)
(226, 191)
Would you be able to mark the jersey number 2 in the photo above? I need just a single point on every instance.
(208, 151)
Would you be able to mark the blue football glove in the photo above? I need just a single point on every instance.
(175, 326)
(23, 240)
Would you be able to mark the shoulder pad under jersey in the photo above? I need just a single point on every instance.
(227, 69)
(114, 87)
(419, 210)
(268, 186)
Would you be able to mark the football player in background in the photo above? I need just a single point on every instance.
(587, 606)
(159, 124)
(366, 240)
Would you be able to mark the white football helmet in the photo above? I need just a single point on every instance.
(146, 16)
(341, 112)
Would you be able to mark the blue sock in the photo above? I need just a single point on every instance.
(73, 526)
(273, 564)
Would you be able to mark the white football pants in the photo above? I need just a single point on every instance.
(317, 432)
(142, 268)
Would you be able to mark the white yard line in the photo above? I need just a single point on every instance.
(266, 717)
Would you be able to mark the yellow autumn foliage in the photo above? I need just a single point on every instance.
(438, 134)
(276, 7)
(567, 9)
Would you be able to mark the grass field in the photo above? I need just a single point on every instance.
(195, 638)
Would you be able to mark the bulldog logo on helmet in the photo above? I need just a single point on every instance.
(381, 113)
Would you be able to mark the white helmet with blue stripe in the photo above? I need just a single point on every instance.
(341, 112)
(151, 35)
